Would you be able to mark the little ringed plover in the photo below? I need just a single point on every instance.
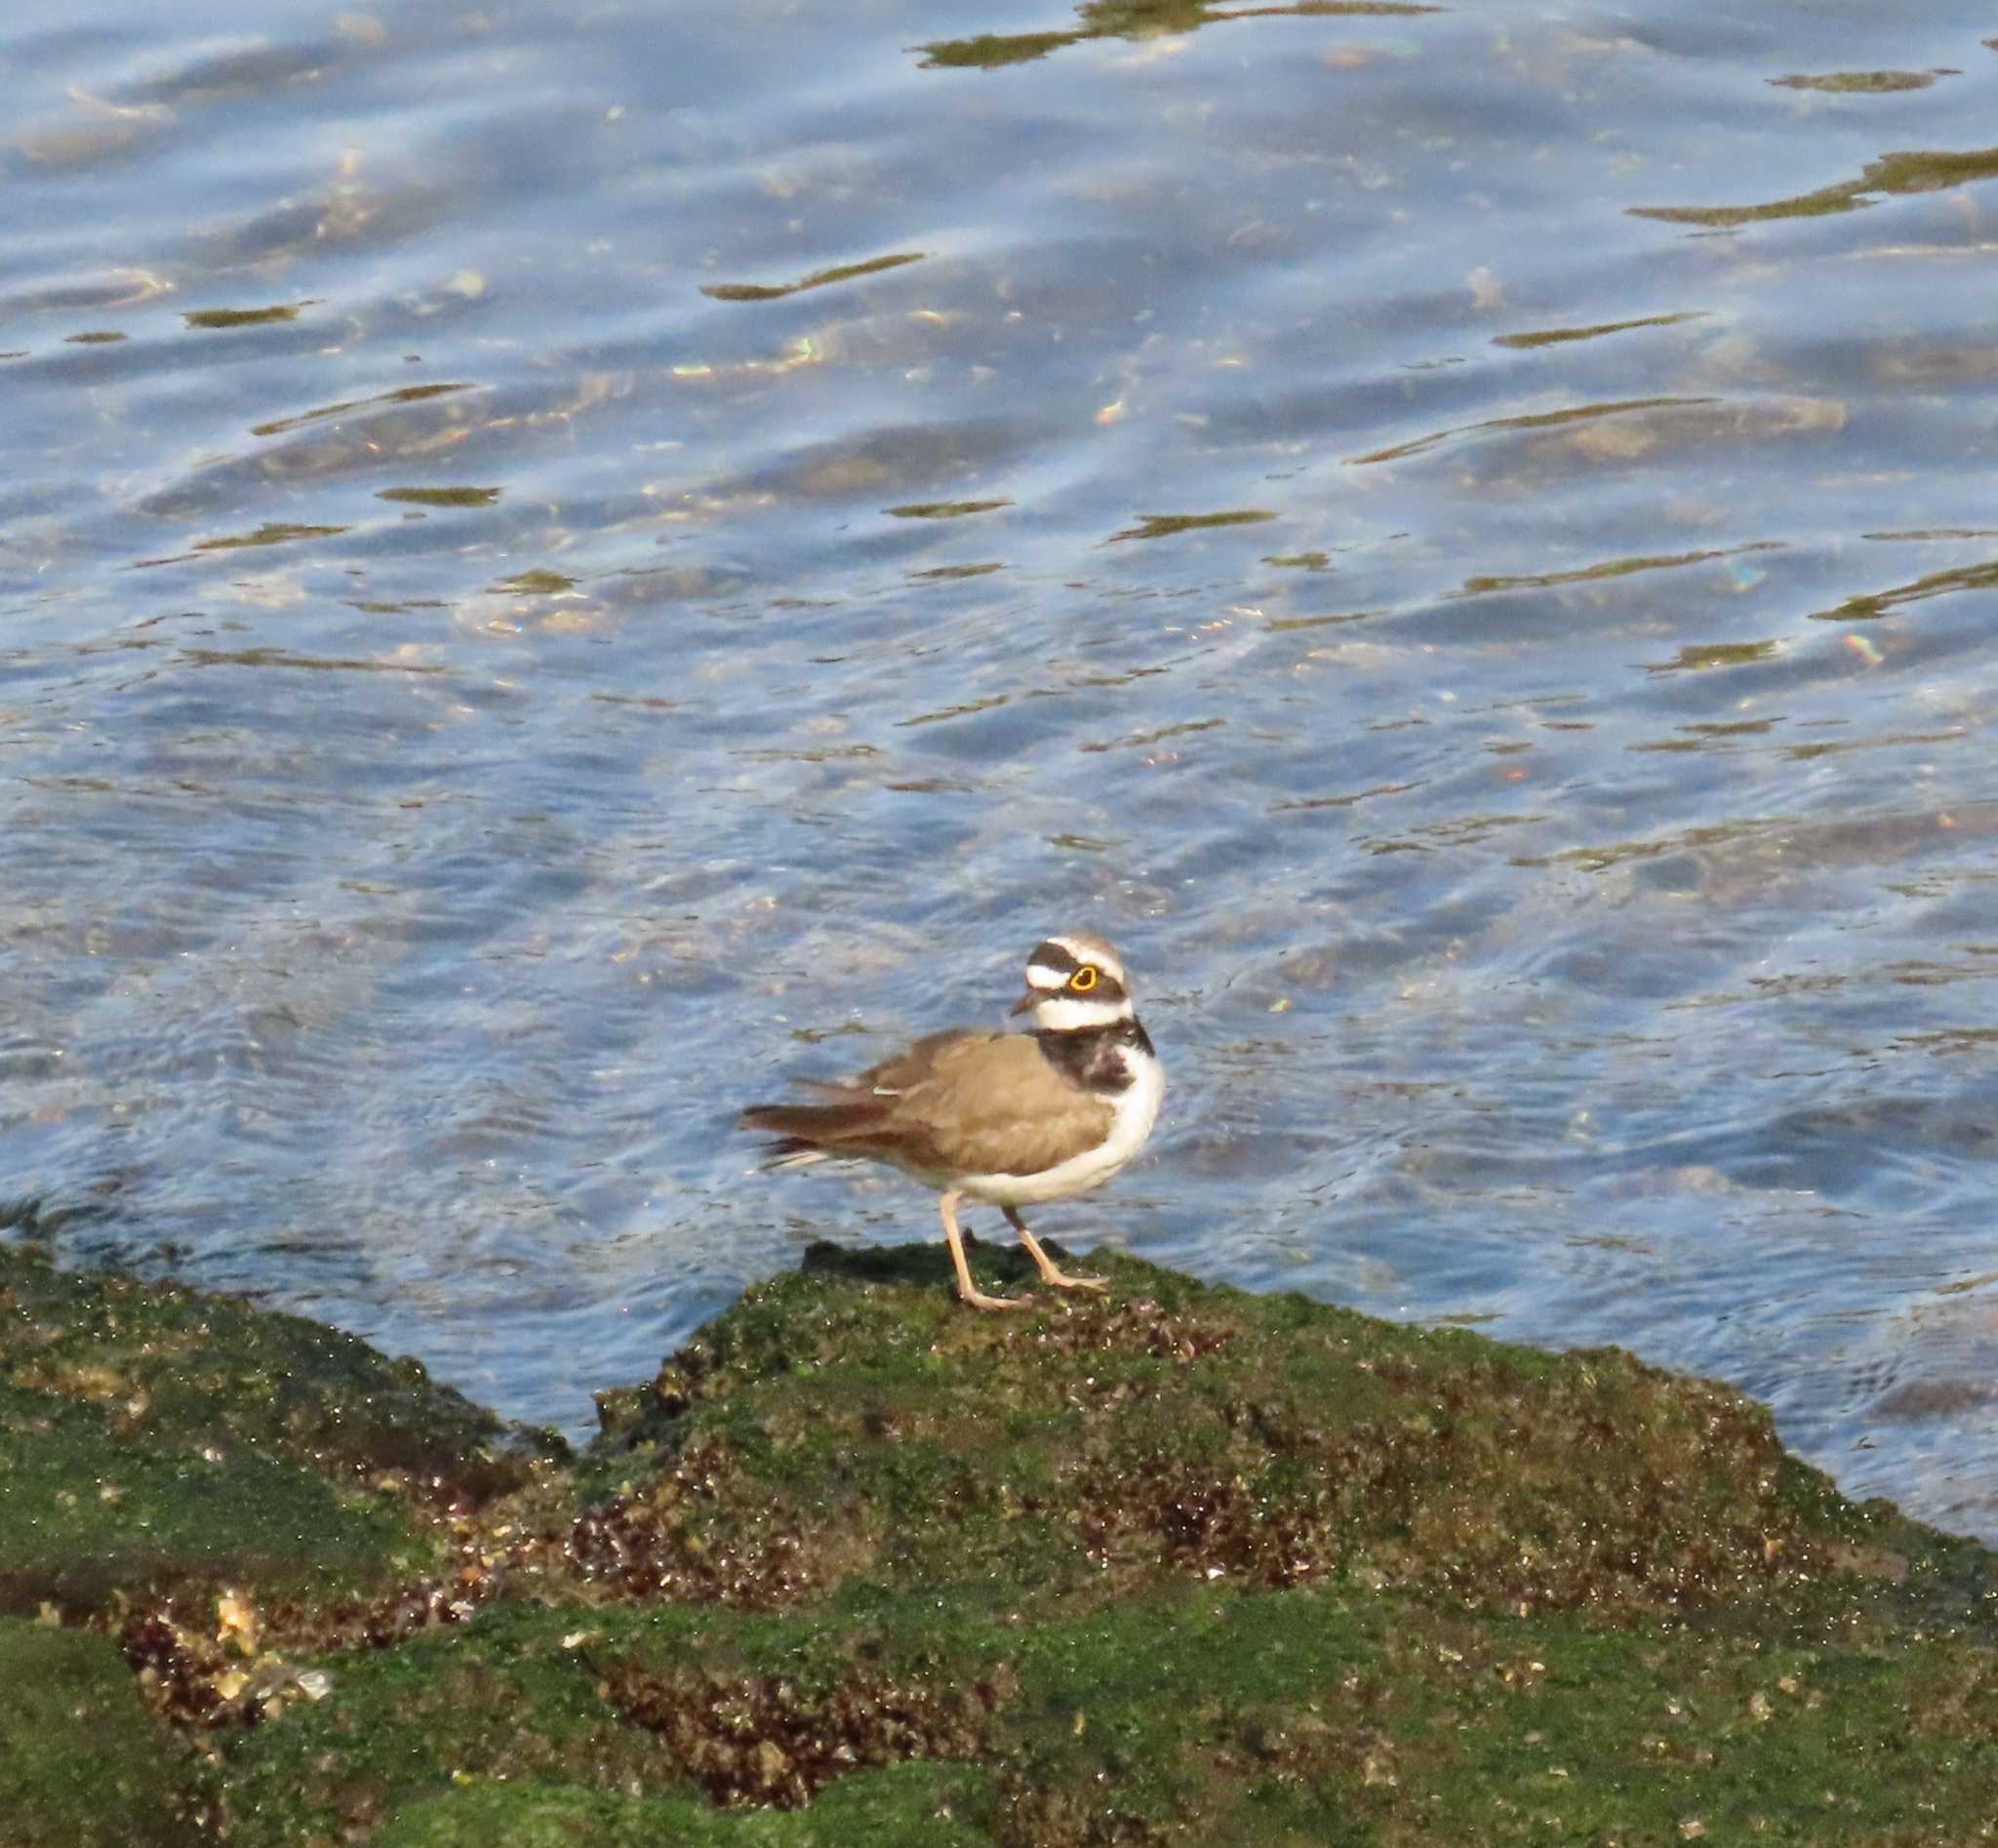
(1014, 1118)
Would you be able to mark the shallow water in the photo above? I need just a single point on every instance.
(556, 569)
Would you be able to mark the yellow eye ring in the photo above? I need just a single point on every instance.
(1084, 978)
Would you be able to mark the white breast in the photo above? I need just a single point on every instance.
(1137, 1110)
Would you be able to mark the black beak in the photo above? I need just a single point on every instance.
(1025, 1001)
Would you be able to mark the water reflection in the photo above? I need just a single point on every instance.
(617, 550)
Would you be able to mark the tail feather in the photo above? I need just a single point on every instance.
(791, 1153)
(814, 1122)
(812, 1132)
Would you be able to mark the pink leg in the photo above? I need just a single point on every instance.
(965, 1288)
(1050, 1271)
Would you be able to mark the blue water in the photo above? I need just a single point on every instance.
(555, 570)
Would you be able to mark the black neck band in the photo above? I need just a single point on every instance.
(1092, 1057)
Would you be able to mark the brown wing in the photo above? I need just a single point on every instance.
(857, 1115)
(991, 1103)
(914, 1064)
(956, 1103)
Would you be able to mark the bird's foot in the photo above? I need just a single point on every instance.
(1062, 1280)
(1052, 1273)
(979, 1299)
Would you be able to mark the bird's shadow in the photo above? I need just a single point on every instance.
(922, 1267)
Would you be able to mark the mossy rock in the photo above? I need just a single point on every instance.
(496, 1700)
(172, 1368)
(520, 1726)
(852, 1419)
(151, 1437)
(1175, 1565)
(89, 1516)
(82, 1762)
(1189, 1716)
(907, 1807)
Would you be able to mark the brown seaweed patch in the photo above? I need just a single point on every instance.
(316, 664)
(944, 509)
(1558, 336)
(1611, 568)
(401, 395)
(207, 318)
(536, 583)
(1138, 739)
(764, 1738)
(1879, 603)
(441, 496)
(1859, 82)
(1166, 525)
(1532, 420)
(1040, 1814)
(1902, 173)
(992, 51)
(819, 279)
(270, 533)
(1698, 656)
(211, 1658)
(705, 1529)
(1143, 20)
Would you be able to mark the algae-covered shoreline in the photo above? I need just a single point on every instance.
(1176, 1565)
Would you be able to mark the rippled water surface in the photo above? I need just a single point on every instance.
(557, 565)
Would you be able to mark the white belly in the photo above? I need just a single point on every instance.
(1137, 1110)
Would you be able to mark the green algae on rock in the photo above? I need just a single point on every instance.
(1178, 1429)
(1180, 1566)
(82, 1762)
(89, 1512)
(170, 1366)
(152, 1439)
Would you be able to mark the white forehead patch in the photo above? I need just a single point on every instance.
(1040, 976)
(1091, 950)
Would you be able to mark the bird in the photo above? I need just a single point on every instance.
(1014, 1119)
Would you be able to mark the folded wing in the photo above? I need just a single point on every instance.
(955, 1104)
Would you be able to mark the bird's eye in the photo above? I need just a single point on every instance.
(1084, 978)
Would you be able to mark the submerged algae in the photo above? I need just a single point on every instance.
(1178, 1566)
